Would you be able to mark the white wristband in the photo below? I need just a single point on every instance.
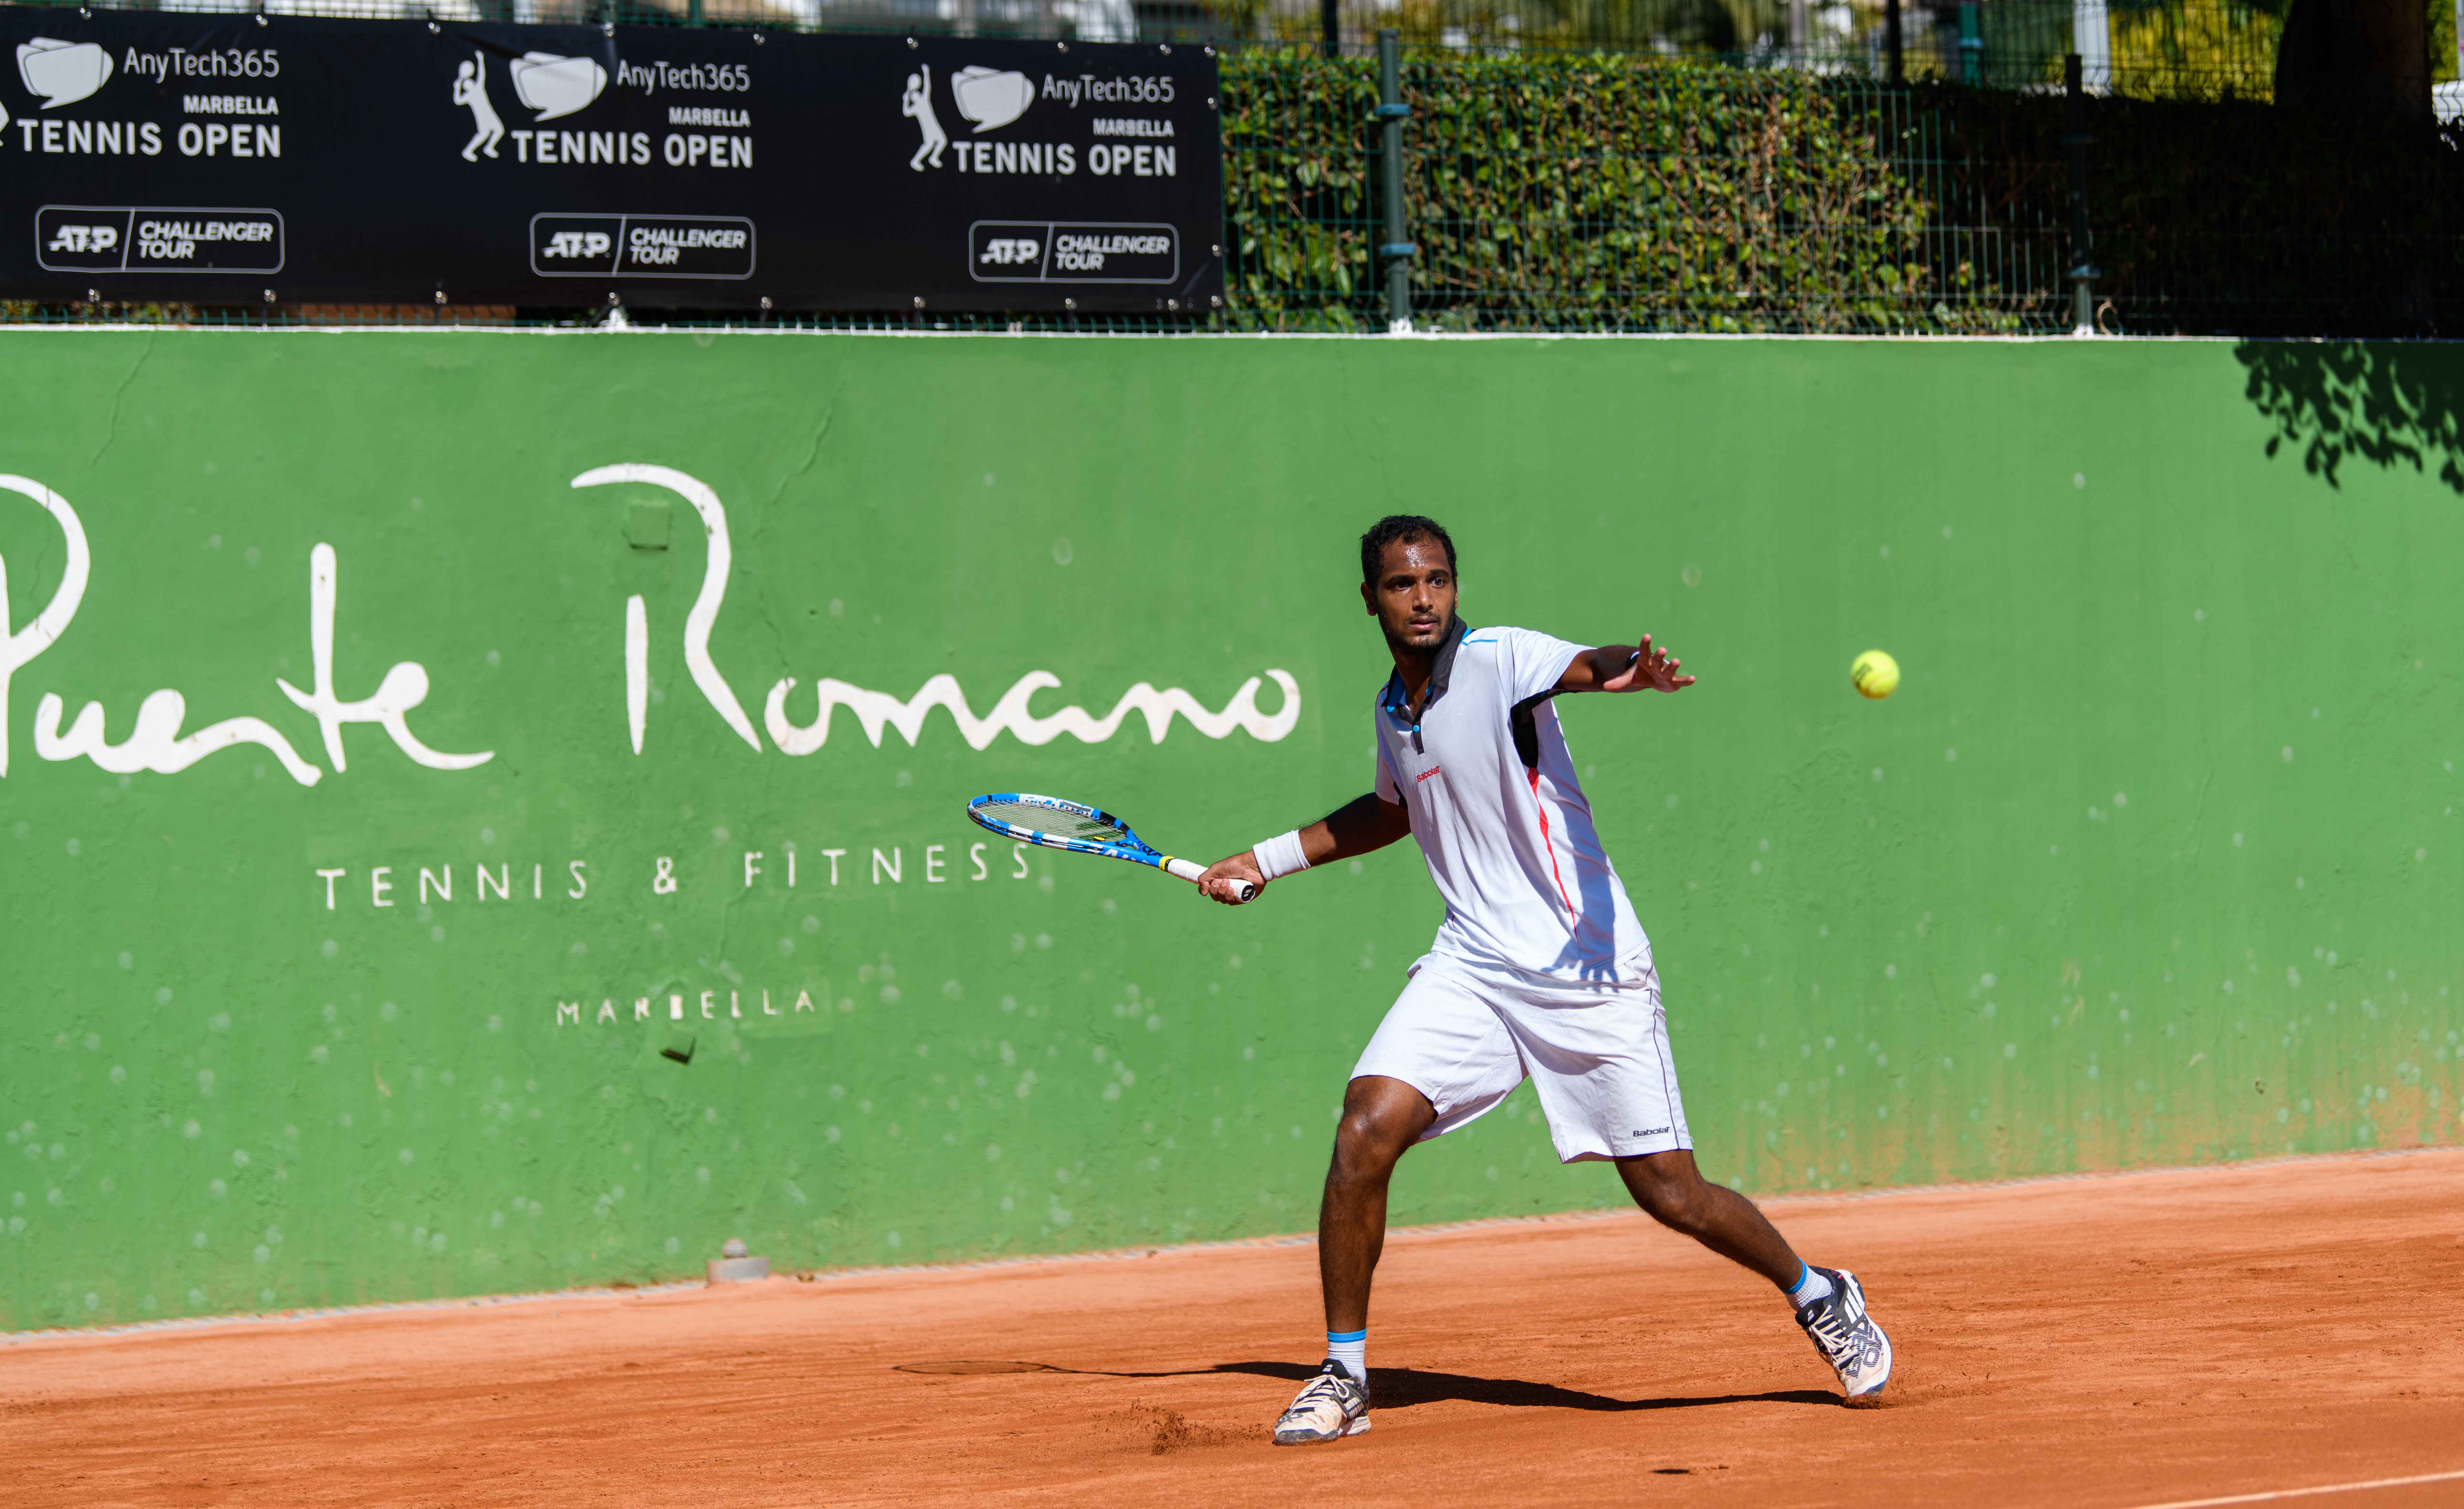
(1280, 855)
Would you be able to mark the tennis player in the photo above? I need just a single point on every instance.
(1539, 970)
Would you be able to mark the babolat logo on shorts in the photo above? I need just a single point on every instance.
(642, 246)
(84, 238)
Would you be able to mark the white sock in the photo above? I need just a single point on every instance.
(1351, 1348)
(1810, 1286)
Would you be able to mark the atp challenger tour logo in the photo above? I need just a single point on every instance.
(155, 740)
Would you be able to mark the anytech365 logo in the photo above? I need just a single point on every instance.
(556, 86)
(63, 72)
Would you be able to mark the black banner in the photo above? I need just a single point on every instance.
(230, 160)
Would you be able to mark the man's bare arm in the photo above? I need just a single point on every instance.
(1624, 667)
(1362, 825)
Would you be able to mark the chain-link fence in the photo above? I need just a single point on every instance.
(1780, 188)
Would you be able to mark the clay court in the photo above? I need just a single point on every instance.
(2103, 1342)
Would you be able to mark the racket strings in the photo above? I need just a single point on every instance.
(1060, 823)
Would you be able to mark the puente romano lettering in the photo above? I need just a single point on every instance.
(155, 741)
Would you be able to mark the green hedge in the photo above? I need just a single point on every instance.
(1592, 193)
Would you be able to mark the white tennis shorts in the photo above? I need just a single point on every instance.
(1465, 1035)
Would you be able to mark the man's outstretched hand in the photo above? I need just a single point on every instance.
(1651, 669)
(1219, 880)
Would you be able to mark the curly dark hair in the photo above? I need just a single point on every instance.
(1405, 527)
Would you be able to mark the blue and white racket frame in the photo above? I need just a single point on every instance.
(1128, 846)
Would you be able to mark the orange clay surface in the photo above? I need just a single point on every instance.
(2094, 1344)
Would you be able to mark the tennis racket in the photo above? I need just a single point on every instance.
(1057, 824)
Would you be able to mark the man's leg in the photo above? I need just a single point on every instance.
(1672, 1191)
(1442, 1044)
(1381, 1119)
(1830, 1304)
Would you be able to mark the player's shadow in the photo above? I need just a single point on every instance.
(1402, 1387)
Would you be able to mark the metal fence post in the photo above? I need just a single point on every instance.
(1394, 250)
(1899, 74)
(1329, 26)
(2082, 274)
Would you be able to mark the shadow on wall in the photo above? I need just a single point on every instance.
(2386, 403)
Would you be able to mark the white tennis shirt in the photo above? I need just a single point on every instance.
(1499, 817)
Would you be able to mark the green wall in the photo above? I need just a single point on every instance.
(2148, 861)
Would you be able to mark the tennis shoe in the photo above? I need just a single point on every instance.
(1333, 1406)
(1847, 1337)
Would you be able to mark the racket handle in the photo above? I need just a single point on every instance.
(1191, 872)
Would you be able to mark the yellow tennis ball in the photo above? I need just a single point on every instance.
(1876, 673)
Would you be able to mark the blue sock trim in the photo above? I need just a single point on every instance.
(1360, 1335)
(1803, 1272)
